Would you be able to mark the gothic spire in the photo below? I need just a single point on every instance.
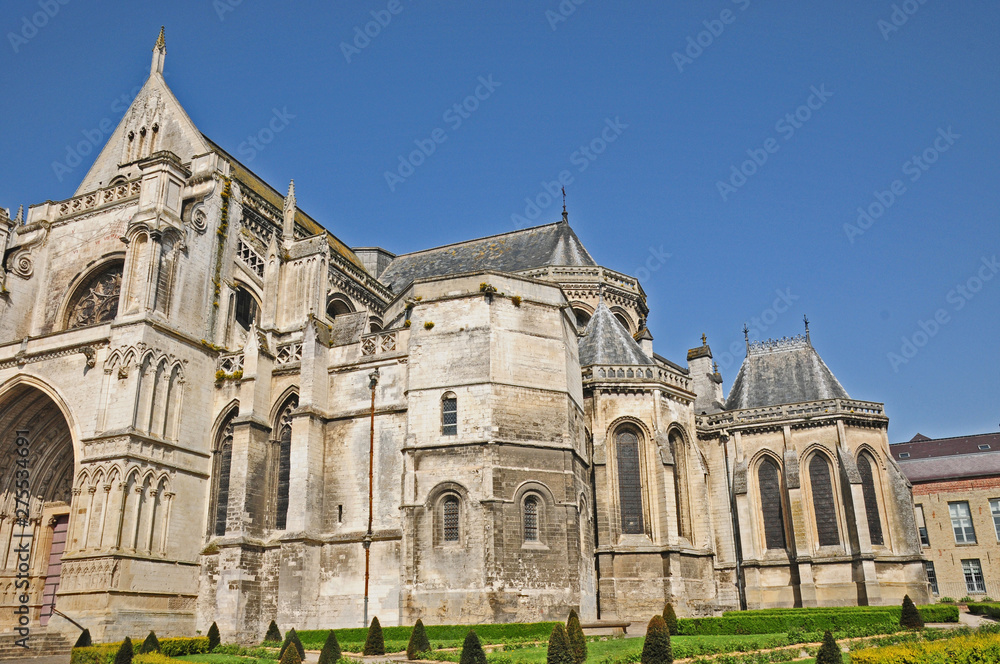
(20, 214)
(565, 214)
(159, 54)
(288, 228)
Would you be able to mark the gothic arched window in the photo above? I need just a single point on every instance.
(244, 308)
(824, 505)
(629, 482)
(284, 462)
(450, 518)
(225, 452)
(677, 451)
(531, 519)
(769, 484)
(871, 499)
(96, 299)
(449, 414)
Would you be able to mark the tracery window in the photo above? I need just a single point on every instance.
(531, 519)
(225, 451)
(769, 485)
(824, 505)
(871, 499)
(96, 300)
(284, 462)
(629, 482)
(450, 520)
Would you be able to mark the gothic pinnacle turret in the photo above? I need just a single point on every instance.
(159, 54)
(288, 228)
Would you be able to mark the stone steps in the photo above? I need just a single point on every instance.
(40, 644)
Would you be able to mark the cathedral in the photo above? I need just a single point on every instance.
(214, 410)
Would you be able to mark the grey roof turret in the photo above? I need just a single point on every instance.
(783, 371)
(605, 341)
(541, 246)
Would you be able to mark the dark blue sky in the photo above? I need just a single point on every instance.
(831, 104)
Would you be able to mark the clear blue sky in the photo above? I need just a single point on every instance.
(682, 125)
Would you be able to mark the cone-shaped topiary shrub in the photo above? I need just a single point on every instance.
(656, 647)
(273, 633)
(84, 640)
(151, 644)
(292, 639)
(560, 651)
(472, 650)
(829, 652)
(375, 644)
(124, 654)
(577, 641)
(670, 618)
(290, 656)
(910, 617)
(331, 650)
(213, 637)
(418, 641)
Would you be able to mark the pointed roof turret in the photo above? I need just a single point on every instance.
(605, 341)
(540, 246)
(782, 371)
(159, 54)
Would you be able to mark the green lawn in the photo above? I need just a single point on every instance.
(223, 659)
(628, 649)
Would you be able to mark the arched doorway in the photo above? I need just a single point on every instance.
(36, 480)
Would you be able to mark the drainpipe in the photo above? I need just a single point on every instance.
(367, 541)
(735, 518)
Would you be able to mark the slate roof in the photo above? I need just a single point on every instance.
(957, 466)
(922, 447)
(605, 341)
(949, 458)
(783, 371)
(553, 244)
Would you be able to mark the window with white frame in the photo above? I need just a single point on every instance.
(973, 571)
(961, 523)
(995, 509)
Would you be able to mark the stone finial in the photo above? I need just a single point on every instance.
(20, 214)
(805, 319)
(565, 216)
(704, 339)
(159, 54)
(288, 228)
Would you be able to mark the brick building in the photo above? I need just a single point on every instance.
(956, 496)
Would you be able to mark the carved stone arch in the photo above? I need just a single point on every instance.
(22, 381)
(230, 409)
(113, 359)
(94, 295)
(442, 488)
(338, 303)
(629, 419)
(624, 317)
(874, 453)
(278, 405)
(534, 486)
(83, 478)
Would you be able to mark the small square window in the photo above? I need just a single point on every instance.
(984, 446)
(904, 455)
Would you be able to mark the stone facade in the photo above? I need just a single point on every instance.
(213, 389)
(956, 495)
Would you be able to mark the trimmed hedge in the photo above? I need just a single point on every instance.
(982, 609)
(960, 650)
(105, 652)
(819, 619)
(352, 640)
